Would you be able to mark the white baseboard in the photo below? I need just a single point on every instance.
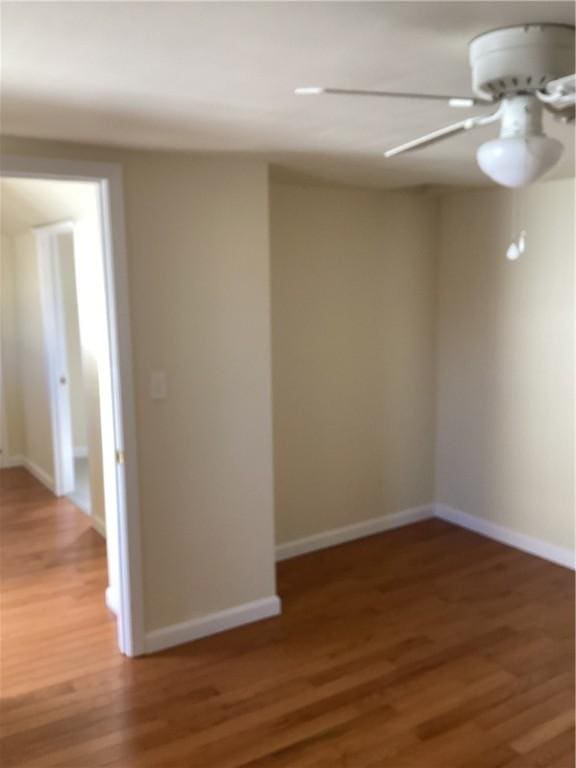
(110, 598)
(559, 555)
(40, 474)
(177, 634)
(98, 525)
(81, 452)
(336, 536)
(351, 532)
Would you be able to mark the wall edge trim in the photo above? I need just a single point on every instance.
(346, 533)
(40, 474)
(111, 600)
(98, 525)
(211, 624)
(558, 555)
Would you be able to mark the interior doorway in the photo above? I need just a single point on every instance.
(67, 366)
(80, 382)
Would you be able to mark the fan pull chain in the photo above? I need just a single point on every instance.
(517, 236)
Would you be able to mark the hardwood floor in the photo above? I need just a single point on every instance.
(423, 647)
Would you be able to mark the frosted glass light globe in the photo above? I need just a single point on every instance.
(516, 161)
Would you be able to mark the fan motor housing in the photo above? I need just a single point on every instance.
(520, 59)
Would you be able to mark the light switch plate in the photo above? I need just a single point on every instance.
(158, 385)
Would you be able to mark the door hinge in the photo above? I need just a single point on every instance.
(120, 457)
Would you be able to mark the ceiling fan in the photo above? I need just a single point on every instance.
(522, 71)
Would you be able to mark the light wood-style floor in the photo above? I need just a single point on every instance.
(425, 647)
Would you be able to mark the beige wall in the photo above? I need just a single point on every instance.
(505, 432)
(13, 426)
(33, 375)
(198, 237)
(353, 346)
(199, 286)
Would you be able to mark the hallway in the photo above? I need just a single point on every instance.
(53, 582)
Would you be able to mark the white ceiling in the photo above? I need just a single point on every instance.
(219, 76)
(32, 202)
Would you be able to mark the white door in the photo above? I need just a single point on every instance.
(55, 355)
(3, 445)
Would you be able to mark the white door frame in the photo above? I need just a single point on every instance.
(3, 430)
(123, 537)
(55, 352)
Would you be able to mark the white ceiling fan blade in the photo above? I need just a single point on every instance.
(559, 97)
(444, 133)
(452, 101)
(562, 87)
